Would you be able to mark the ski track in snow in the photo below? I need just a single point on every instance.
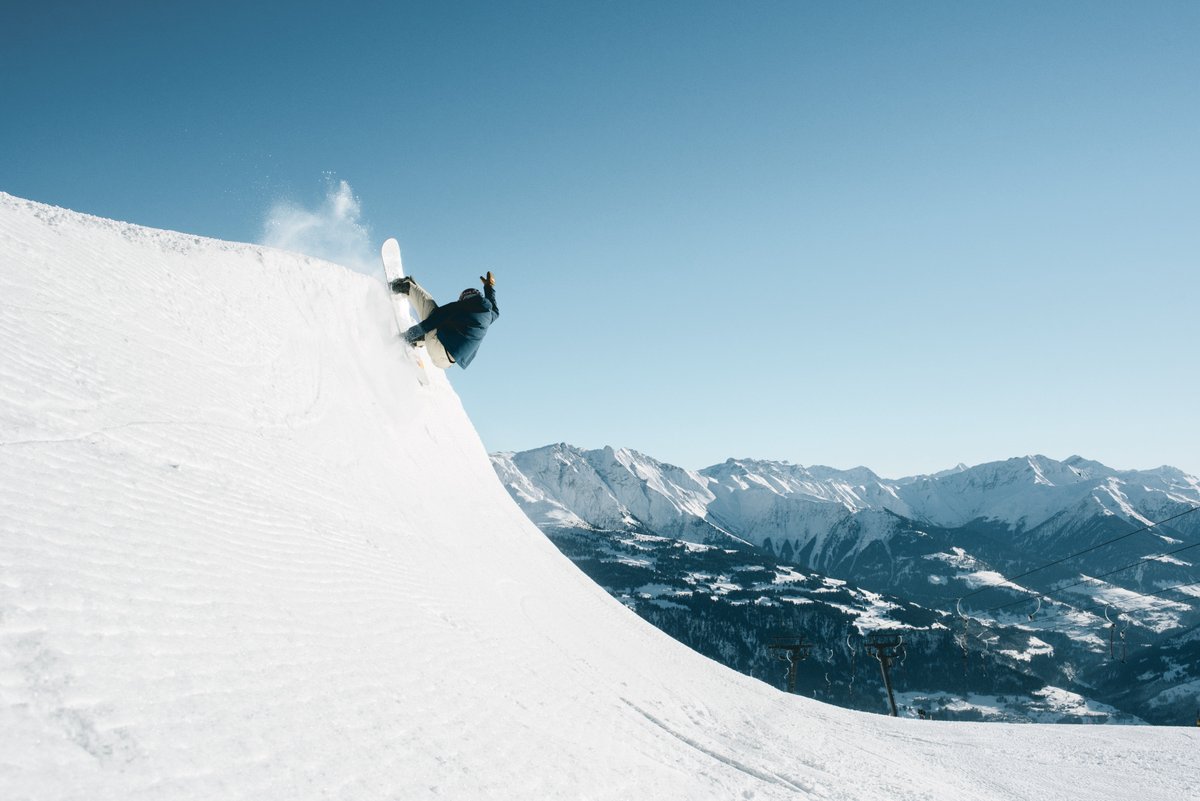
(244, 555)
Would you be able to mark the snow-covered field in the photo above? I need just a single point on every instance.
(244, 555)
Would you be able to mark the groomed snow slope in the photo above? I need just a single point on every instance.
(244, 555)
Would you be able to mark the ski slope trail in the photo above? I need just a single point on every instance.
(243, 554)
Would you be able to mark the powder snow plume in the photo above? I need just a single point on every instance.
(334, 231)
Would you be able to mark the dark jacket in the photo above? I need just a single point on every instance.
(461, 325)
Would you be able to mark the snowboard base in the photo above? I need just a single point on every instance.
(393, 268)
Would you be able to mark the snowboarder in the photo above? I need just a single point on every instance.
(451, 334)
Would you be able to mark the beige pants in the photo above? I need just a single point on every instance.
(423, 304)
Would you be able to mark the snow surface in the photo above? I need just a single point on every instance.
(244, 555)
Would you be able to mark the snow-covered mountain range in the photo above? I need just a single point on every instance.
(930, 540)
(771, 501)
(245, 554)
(825, 516)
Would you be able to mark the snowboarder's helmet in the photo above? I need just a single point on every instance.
(469, 293)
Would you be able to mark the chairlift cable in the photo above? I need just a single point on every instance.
(1089, 549)
(1142, 561)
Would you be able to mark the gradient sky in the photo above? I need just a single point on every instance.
(895, 234)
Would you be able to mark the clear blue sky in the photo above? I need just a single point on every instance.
(896, 234)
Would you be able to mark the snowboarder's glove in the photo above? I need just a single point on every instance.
(414, 335)
(490, 280)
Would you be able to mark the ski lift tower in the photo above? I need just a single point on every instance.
(794, 648)
(884, 646)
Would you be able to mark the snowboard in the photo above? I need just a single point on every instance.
(393, 268)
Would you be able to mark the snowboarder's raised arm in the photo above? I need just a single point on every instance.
(489, 290)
